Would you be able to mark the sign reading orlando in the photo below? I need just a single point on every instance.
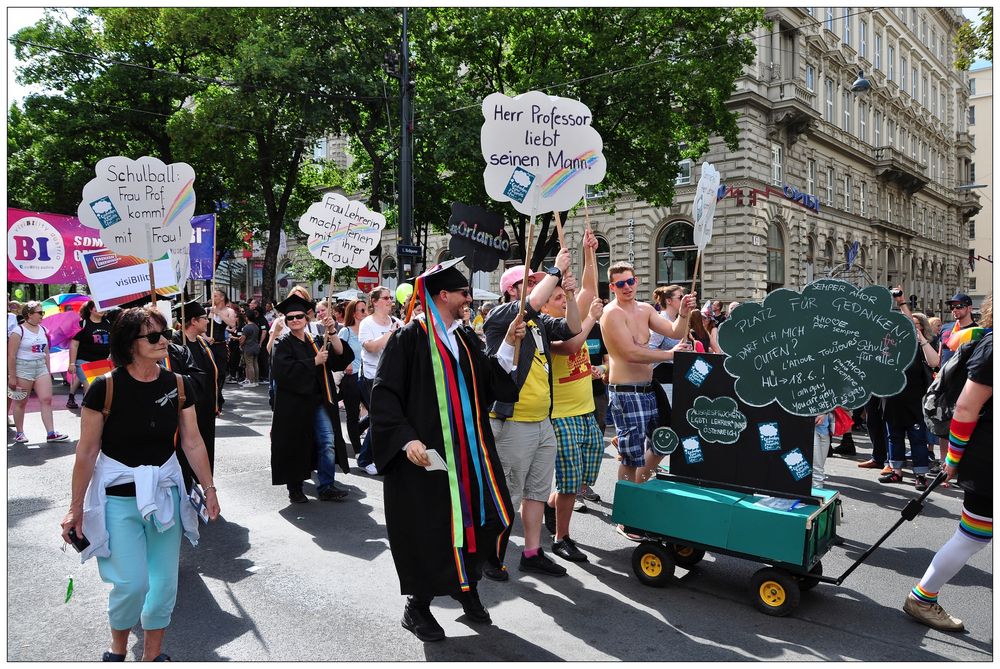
(479, 236)
(831, 345)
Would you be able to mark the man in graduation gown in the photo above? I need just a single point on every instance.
(305, 426)
(193, 327)
(431, 397)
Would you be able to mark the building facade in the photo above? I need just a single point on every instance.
(981, 226)
(821, 169)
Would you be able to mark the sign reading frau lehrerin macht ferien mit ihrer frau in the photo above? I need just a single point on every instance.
(142, 208)
(831, 345)
(342, 232)
(541, 151)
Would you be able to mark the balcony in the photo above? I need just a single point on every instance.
(904, 231)
(792, 107)
(968, 203)
(894, 166)
(965, 145)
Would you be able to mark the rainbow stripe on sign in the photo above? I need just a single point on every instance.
(559, 178)
(183, 200)
(321, 240)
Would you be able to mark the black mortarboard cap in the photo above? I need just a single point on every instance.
(192, 309)
(294, 303)
(445, 276)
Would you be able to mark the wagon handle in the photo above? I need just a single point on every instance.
(909, 512)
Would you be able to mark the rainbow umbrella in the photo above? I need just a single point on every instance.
(58, 304)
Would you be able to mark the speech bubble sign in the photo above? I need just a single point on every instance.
(831, 345)
(718, 420)
(539, 146)
(342, 232)
(142, 208)
(704, 205)
(479, 236)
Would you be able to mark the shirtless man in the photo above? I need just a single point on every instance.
(625, 325)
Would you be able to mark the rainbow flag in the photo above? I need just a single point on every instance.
(959, 337)
(92, 370)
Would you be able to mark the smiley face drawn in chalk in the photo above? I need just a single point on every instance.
(664, 441)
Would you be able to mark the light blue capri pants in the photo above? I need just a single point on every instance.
(143, 565)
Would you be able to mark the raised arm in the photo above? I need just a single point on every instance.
(678, 329)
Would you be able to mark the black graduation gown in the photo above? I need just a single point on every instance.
(180, 361)
(299, 389)
(418, 502)
(206, 403)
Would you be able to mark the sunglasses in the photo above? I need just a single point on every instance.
(36, 313)
(294, 317)
(463, 291)
(624, 282)
(385, 297)
(154, 337)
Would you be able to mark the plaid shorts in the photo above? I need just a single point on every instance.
(635, 416)
(578, 457)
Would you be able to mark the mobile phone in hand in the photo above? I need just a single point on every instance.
(79, 542)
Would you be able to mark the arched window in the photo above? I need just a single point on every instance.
(775, 257)
(388, 272)
(603, 263)
(676, 254)
(828, 254)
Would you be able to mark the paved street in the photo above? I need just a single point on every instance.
(273, 581)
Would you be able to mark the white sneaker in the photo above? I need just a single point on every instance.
(371, 470)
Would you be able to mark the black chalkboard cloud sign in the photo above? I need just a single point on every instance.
(478, 235)
(831, 345)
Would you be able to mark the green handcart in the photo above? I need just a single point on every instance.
(681, 519)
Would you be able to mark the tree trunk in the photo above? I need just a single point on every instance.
(275, 217)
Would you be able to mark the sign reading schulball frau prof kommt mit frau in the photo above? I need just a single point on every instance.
(540, 151)
(342, 232)
(142, 208)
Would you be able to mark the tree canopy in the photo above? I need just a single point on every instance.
(242, 93)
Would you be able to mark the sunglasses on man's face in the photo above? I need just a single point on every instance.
(463, 291)
(624, 282)
(294, 317)
(154, 337)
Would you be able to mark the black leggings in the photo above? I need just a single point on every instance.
(350, 392)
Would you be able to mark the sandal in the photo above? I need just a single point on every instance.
(631, 536)
(112, 657)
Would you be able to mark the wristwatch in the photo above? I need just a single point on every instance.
(554, 271)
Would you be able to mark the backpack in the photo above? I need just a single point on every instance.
(941, 396)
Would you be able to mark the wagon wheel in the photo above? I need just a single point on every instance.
(686, 556)
(652, 563)
(774, 591)
(810, 582)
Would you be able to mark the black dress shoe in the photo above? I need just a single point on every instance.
(417, 618)
(495, 573)
(333, 494)
(297, 497)
(473, 607)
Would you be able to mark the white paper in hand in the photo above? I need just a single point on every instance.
(437, 462)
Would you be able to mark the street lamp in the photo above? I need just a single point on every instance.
(668, 260)
(861, 85)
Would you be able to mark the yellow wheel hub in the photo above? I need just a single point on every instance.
(772, 593)
(651, 565)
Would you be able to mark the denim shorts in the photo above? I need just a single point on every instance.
(30, 370)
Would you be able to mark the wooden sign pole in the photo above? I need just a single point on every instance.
(694, 278)
(329, 309)
(591, 253)
(524, 281)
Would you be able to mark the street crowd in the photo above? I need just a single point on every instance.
(471, 417)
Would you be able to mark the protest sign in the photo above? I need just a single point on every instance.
(831, 345)
(536, 144)
(342, 232)
(479, 236)
(116, 279)
(704, 205)
(723, 439)
(142, 208)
